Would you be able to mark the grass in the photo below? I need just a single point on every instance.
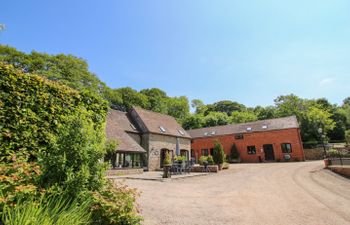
(47, 211)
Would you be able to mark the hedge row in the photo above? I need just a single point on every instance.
(33, 108)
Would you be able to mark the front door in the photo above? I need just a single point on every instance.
(269, 154)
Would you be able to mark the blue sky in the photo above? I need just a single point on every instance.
(246, 51)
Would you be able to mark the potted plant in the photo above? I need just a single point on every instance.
(219, 154)
(166, 166)
(235, 156)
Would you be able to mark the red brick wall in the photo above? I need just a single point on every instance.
(258, 139)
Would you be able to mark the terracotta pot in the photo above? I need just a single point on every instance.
(326, 163)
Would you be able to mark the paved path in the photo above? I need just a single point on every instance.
(271, 193)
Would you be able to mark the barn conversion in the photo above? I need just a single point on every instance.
(144, 137)
(265, 140)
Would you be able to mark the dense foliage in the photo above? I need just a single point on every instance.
(218, 153)
(52, 139)
(72, 71)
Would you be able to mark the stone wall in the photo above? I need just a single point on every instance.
(157, 142)
(314, 153)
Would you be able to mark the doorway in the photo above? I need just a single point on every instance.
(269, 154)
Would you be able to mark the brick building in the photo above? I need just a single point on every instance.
(145, 136)
(264, 140)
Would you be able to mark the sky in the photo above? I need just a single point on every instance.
(247, 51)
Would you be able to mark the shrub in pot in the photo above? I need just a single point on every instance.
(219, 154)
(166, 165)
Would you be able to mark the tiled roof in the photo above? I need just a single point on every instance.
(261, 125)
(160, 124)
(118, 124)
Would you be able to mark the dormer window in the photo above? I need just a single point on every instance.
(249, 129)
(264, 127)
(162, 129)
(181, 132)
(206, 133)
(213, 133)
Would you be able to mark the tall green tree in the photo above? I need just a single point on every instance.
(131, 98)
(157, 100)
(178, 107)
(243, 117)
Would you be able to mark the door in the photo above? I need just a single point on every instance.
(269, 154)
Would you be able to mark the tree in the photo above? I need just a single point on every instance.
(216, 119)
(316, 118)
(234, 152)
(193, 121)
(242, 117)
(347, 137)
(218, 153)
(131, 98)
(263, 113)
(225, 106)
(198, 105)
(157, 100)
(346, 101)
(178, 107)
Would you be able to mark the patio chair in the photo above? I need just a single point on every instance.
(189, 166)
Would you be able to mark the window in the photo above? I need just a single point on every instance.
(264, 127)
(251, 150)
(238, 136)
(213, 133)
(181, 132)
(211, 151)
(249, 129)
(205, 152)
(286, 147)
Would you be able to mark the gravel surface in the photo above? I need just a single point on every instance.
(270, 193)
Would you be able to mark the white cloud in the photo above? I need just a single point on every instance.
(326, 81)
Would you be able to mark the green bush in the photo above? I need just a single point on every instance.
(234, 152)
(202, 159)
(218, 153)
(181, 158)
(52, 139)
(225, 166)
(114, 205)
(347, 137)
(47, 211)
(210, 160)
(167, 159)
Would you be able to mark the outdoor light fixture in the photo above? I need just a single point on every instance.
(322, 137)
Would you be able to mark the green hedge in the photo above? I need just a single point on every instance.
(52, 139)
(32, 109)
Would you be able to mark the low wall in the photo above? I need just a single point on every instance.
(313, 153)
(119, 172)
(342, 170)
(211, 168)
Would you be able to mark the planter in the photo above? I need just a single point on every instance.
(327, 162)
(220, 166)
(166, 171)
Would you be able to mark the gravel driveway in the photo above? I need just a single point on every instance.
(271, 193)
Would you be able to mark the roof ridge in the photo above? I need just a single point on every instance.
(150, 111)
(238, 124)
